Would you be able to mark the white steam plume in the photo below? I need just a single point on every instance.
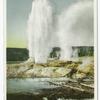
(39, 30)
(75, 27)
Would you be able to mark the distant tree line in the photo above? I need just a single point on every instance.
(17, 54)
(85, 51)
(21, 54)
(82, 51)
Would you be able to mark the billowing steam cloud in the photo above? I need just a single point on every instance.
(75, 27)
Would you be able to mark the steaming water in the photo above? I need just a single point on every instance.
(39, 30)
(75, 27)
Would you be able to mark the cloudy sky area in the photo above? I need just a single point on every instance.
(17, 16)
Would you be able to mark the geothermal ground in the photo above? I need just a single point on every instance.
(82, 68)
(52, 80)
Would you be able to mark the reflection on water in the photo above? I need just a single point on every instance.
(39, 89)
(30, 85)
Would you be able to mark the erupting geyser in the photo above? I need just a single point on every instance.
(75, 27)
(39, 30)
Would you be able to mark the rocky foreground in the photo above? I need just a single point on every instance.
(55, 68)
(80, 75)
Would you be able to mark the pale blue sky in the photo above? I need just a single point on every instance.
(17, 16)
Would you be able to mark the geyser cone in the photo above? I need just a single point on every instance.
(39, 30)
